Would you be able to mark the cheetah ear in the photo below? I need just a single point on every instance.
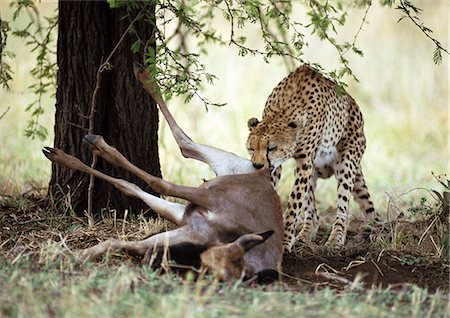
(252, 122)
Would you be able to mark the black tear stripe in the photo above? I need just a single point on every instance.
(268, 160)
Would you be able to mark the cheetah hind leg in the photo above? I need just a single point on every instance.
(374, 221)
(362, 197)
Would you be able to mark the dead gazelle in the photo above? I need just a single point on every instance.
(219, 226)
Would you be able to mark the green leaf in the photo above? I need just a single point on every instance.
(389, 3)
(437, 56)
(135, 47)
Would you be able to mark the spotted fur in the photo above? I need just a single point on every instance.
(305, 118)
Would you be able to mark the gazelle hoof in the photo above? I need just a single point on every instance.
(137, 68)
(92, 139)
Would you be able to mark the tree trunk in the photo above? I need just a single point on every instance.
(125, 115)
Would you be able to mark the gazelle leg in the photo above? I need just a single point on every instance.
(137, 248)
(169, 210)
(197, 196)
(222, 162)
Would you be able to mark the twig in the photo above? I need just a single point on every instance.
(378, 267)
(438, 250)
(363, 21)
(124, 221)
(355, 263)
(332, 276)
(404, 7)
(4, 113)
(189, 83)
(63, 243)
(18, 256)
(5, 242)
(78, 126)
(325, 266)
(301, 280)
(426, 231)
(380, 254)
(229, 11)
(103, 66)
(332, 41)
(42, 219)
(180, 266)
(290, 64)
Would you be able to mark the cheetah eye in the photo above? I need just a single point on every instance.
(292, 125)
(272, 147)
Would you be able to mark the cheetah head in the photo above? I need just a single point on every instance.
(270, 144)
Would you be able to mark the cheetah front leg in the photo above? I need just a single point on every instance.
(311, 219)
(301, 199)
(345, 174)
(275, 177)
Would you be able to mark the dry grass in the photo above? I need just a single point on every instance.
(33, 227)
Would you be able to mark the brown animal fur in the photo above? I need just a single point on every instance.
(217, 226)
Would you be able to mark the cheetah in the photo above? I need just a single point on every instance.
(305, 118)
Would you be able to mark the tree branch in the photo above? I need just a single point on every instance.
(406, 7)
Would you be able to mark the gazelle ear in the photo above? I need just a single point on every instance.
(249, 241)
(265, 235)
(252, 123)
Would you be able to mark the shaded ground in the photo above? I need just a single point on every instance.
(411, 253)
(389, 269)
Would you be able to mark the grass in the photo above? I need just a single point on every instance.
(130, 291)
(404, 99)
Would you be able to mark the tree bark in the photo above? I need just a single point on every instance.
(125, 115)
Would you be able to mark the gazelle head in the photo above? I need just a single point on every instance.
(226, 262)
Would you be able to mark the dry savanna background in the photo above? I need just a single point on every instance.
(402, 269)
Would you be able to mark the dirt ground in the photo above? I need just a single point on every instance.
(383, 270)
(398, 262)
(26, 226)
